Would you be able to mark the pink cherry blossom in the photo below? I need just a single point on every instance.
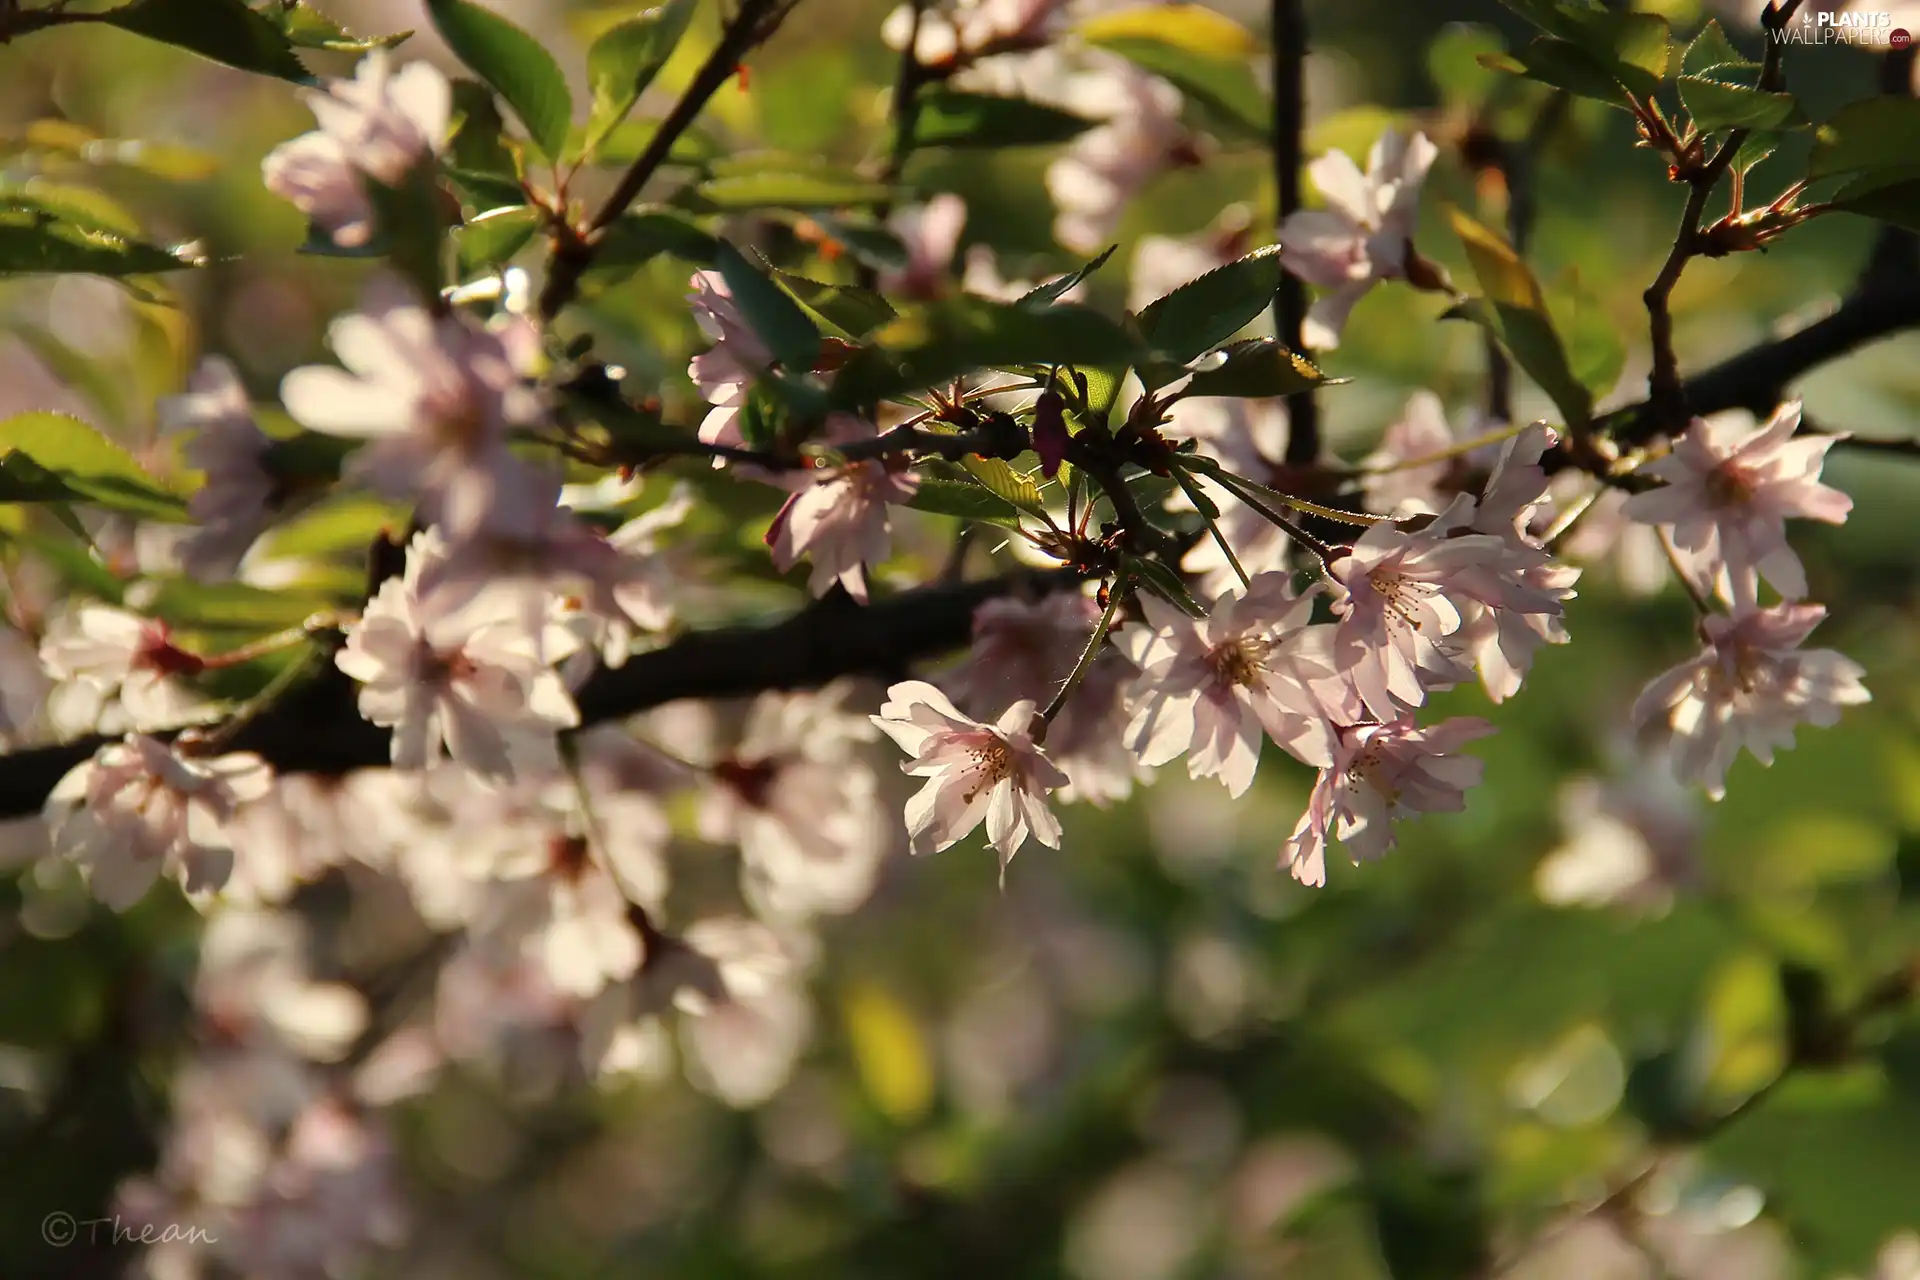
(312, 173)
(386, 121)
(235, 504)
(973, 771)
(724, 371)
(1212, 686)
(433, 397)
(106, 656)
(379, 124)
(1728, 494)
(931, 235)
(1024, 650)
(475, 681)
(838, 517)
(1382, 772)
(1107, 166)
(802, 806)
(1421, 431)
(139, 808)
(1400, 598)
(1750, 686)
(1363, 236)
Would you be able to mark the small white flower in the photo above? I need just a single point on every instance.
(475, 681)
(973, 771)
(139, 808)
(105, 655)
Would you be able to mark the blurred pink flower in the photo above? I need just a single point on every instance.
(433, 397)
(475, 681)
(1363, 236)
(1750, 686)
(139, 807)
(973, 771)
(102, 654)
(1381, 772)
(931, 234)
(235, 505)
(1105, 167)
(1728, 494)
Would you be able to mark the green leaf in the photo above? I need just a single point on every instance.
(854, 311)
(34, 239)
(50, 457)
(965, 499)
(623, 143)
(1873, 134)
(626, 57)
(1224, 86)
(478, 146)
(307, 28)
(776, 190)
(1595, 53)
(1165, 583)
(489, 240)
(998, 475)
(1192, 27)
(1203, 313)
(1716, 105)
(775, 317)
(1596, 353)
(232, 606)
(341, 524)
(1712, 51)
(514, 63)
(952, 118)
(1885, 197)
(875, 246)
(1256, 369)
(1053, 290)
(957, 336)
(640, 235)
(1515, 311)
(1757, 146)
(223, 31)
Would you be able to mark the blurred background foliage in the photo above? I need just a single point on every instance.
(1591, 1027)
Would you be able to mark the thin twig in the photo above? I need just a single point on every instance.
(575, 248)
(1116, 596)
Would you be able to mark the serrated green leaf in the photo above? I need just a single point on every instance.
(1203, 313)
(1716, 106)
(773, 190)
(34, 241)
(489, 240)
(1224, 86)
(50, 457)
(998, 475)
(517, 66)
(625, 58)
(1053, 290)
(1754, 148)
(957, 336)
(307, 28)
(854, 311)
(966, 500)
(1257, 369)
(954, 118)
(224, 31)
(775, 317)
(1515, 311)
(1712, 51)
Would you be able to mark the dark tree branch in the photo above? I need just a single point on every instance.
(1289, 133)
(318, 728)
(1665, 392)
(575, 249)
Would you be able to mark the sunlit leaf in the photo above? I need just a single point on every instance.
(624, 59)
(517, 66)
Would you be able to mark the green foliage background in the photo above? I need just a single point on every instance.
(1151, 1055)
